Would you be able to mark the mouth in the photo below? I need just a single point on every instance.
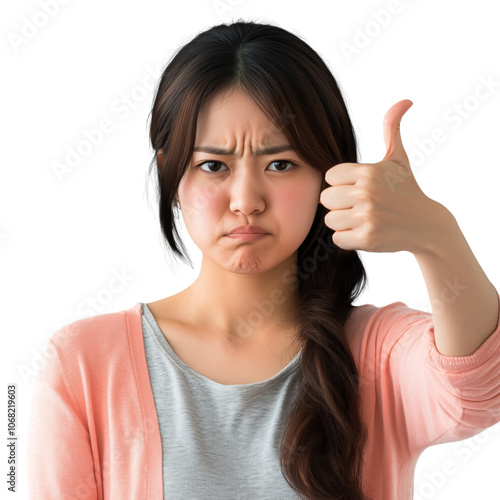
(248, 230)
(247, 236)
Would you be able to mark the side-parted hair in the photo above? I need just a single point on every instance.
(321, 453)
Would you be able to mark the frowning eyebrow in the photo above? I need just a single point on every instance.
(272, 150)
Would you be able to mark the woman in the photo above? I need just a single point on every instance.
(261, 379)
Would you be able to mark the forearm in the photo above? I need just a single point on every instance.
(464, 302)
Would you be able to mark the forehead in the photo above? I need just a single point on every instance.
(235, 114)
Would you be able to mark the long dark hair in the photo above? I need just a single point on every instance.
(321, 454)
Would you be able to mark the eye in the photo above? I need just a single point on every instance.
(284, 161)
(213, 164)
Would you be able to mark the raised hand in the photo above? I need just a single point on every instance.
(379, 207)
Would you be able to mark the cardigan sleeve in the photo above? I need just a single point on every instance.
(59, 456)
(428, 398)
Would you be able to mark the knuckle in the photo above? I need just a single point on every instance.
(367, 172)
(364, 196)
(367, 237)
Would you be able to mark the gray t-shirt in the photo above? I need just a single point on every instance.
(219, 441)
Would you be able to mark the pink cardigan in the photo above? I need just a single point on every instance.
(93, 431)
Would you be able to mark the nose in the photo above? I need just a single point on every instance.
(246, 191)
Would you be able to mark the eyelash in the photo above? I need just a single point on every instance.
(220, 163)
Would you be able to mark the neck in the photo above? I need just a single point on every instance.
(241, 308)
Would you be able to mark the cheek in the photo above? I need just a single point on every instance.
(194, 197)
(200, 204)
(298, 202)
(287, 200)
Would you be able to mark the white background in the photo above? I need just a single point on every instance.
(63, 238)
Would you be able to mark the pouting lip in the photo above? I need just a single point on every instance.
(248, 230)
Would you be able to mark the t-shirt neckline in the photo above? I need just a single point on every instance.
(167, 350)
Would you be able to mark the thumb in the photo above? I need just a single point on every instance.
(392, 134)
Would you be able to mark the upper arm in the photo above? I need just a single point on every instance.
(59, 456)
(431, 398)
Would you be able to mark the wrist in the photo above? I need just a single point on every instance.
(438, 234)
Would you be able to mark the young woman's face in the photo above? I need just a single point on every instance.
(219, 192)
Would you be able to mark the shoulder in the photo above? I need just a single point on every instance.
(366, 313)
(87, 360)
(103, 334)
(390, 321)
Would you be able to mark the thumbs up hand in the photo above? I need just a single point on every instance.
(379, 207)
